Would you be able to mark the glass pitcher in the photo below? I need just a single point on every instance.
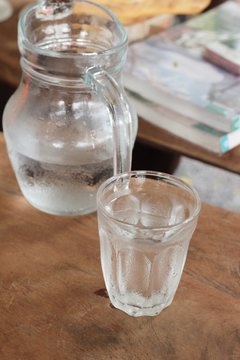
(69, 125)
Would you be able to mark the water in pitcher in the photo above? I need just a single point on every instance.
(59, 176)
(60, 189)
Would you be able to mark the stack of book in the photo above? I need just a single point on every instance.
(186, 79)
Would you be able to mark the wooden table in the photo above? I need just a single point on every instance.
(156, 137)
(54, 306)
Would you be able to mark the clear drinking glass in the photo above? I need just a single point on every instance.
(146, 220)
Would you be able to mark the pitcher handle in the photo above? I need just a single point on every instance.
(120, 115)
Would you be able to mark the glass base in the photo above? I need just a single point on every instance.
(136, 311)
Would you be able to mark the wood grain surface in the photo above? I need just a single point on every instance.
(53, 304)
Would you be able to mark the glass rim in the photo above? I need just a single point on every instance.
(151, 174)
(25, 43)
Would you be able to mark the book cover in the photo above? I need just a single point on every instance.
(185, 127)
(170, 69)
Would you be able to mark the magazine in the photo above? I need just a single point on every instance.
(171, 70)
(185, 127)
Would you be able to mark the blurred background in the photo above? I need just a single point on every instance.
(141, 19)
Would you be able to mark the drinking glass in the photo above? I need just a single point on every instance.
(146, 220)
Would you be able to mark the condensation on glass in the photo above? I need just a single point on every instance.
(69, 126)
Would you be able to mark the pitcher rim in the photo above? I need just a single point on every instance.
(58, 54)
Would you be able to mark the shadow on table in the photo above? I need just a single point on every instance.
(146, 157)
